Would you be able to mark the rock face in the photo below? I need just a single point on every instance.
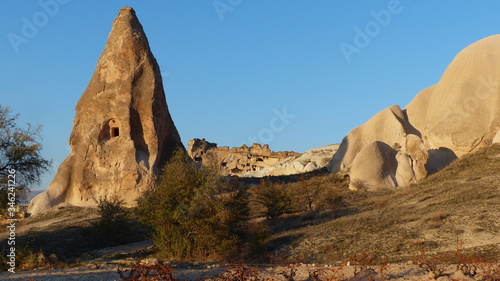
(458, 115)
(496, 139)
(385, 152)
(462, 112)
(308, 161)
(122, 131)
(237, 160)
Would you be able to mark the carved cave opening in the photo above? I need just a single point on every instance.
(110, 129)
(115, 132)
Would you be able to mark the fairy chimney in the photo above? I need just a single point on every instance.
(122, 131)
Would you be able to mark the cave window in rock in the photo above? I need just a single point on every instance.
(260, 159)
(223, 164)
(110, 129)
(114, 128)
(115, 132)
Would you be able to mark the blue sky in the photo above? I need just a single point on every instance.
(231, 67)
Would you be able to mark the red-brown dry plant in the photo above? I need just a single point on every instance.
(240, 272)
(154, 272)
(476, 267)
(432, 264)
(337, 274)
(361, 262)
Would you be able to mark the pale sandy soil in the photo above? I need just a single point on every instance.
(392, 272)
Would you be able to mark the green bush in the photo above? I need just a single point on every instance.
(191, 212)
(275, 198)
(27, 258)
(112, 213)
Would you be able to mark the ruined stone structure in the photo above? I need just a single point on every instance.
(237, 160)
(122, 131)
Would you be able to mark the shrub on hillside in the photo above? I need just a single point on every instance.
(112, 213)
(276, 199)
(191, 212)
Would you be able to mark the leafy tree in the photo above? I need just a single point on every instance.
(191, 212)
(276, 199)
(311, 190)
(20, 150)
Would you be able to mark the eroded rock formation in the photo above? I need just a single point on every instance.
(308, 161)
(122, 131)
(237, 160)
(458, 115)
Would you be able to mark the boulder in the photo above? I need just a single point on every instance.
(389, 126)
(122, 131)
(374, 167)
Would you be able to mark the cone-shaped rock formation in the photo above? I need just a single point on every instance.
(122, 131)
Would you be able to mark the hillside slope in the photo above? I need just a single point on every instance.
(461, 203)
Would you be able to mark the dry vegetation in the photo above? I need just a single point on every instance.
(460, 203)
(452, 217)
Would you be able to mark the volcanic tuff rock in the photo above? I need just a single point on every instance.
(237, 160)
(308, 161)
(384, 152)
(454, 117)
(496, 139)
(462, 111)
(122, 131)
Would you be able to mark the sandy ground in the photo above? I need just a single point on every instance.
(303, 272)
(105, 268)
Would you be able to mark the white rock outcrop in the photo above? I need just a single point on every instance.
(454, 117)
(308, 161)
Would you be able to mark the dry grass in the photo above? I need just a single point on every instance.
(67, 233)
(462, 200)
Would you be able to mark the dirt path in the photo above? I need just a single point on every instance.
(392, 272)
